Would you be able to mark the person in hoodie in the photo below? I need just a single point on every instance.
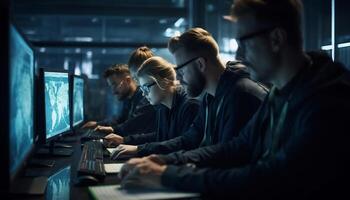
(175, 112)
(296, 145)
(129, 111)
(230, 96)
(138, 115)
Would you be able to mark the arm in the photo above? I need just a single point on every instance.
(308, 160)
(143, 120)
(189, 140)
(233, 152)
(140, 138)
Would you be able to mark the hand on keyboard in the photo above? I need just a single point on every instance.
(128, 166)
(123, 150)
(141, 172)
(90, 124)
(114, 138)
(104, 129)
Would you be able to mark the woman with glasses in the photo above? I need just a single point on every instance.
(175, 111)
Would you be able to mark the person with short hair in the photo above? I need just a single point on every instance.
(138, 116)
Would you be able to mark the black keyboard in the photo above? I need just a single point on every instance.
(92, 135)
(91, 160)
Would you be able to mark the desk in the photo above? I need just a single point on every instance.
(76, 192)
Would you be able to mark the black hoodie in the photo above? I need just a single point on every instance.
(311, 158)
(138, 116)
(171, 122)
(236, 100)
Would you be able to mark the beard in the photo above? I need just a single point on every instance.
(196, 86)
(122, 95)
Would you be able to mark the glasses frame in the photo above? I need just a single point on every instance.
(146, 88)
(242, 39)
(178, 67)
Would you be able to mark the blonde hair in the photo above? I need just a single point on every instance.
(196, 40)
(159, 70)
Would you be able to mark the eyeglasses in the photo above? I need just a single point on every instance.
(255, 33)
(178, 67)
(146, 88)
(240, 40)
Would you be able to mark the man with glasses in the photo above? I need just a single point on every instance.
(296, 145)
(230, 96)
(137, 116)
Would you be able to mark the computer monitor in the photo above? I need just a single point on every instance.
(58, 186)
(56, 102)
(53, 107)
(21, 96)
(78, 101)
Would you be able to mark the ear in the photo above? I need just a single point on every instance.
(202, 64)
(278, 37)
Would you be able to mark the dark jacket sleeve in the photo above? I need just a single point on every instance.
(232, 153)
(314, 158)
(140, 138)
(142, 121)
(108, 122)
(241, 106)
(189, 140)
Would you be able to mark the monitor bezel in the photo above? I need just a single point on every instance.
(42, 119)
(76, 126)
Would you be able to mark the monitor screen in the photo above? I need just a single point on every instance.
(21, 99)
(56, 103)
(78, 100)
(58, 185)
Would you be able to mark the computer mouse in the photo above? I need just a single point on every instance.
(86, 180)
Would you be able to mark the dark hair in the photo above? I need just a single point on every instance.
(280, 13)
(196, 40)
(138, 56)
(117, 69)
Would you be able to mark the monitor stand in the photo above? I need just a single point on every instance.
(29, 185)
(40, 163)
(69, 137)
(52, 151)
(58, 145)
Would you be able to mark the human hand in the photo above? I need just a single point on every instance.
(142, 172)
(124, 149)
(104, 129)
(114, 138)
(89, 125)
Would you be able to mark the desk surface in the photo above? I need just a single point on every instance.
(76, 192)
